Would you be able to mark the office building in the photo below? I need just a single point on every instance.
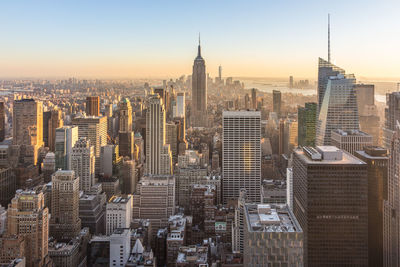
(180, 106)
(65, 223)
(391, 208)
(155, 200)
(350, 141)
(118, 213)
(2, 121)
(277, 102)
(272, 236)
(83, 163)
(28, 124)
(158, 156)
(290, 81)
(330, 189)
(93, 106)
(66, 138)
(254, 98)
(120, 247)
(241, 154)
(377, 170)
(392, 117)
(199, 92)
(54, 122)
(48, 166)
(28, 218)
(7, 186)
(368, 111)
(92, 210)
(339, 108)
(129, 176)
(126, 134)
(307, 123)
(95, 130)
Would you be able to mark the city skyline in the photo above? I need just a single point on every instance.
(259, 39)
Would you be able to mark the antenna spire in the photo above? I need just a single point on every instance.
(199, 38)
(329, 38)
(199, 48)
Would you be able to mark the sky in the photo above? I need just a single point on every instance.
(158, 39)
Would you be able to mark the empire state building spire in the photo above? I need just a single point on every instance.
(199, 91)
(199, 49)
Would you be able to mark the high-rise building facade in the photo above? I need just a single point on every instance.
(2, 121)
(158, 157)
(199, 92)
(330, 189)
(65, 223)
(272, 236)
(241, 154)
(351, 141)
(126, 135)
(180, 106)
(338, 109)
(118, 213)
(307, 123)
(28, 217)
(277, 102)
(95, 130)
(55, 122)
(325, 70)
(83, 163)
(93, 106)
(377, 167)
(392, 118)
(368, 111)
(66, 138)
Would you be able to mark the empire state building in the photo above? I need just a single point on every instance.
(199, 92)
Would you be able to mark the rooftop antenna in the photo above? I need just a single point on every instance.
(329, 38)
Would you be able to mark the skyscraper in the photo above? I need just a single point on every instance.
(93, 106)
(55, 122)
(377, 167)
(392, 118)
(28, 217)
(65, 140)
(241, 154)
(199, 91)
(155, 136)
(254, 98)
(2, 122)
(351, 141)
(118, 213)
(330, 190)
(65, 223)
(338, 109)
(307, 118)
(180, 105)
(126, 135)
(28, 124)
(95, 130)
(277, 102)
(83, 163)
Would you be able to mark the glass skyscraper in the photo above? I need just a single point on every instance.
(338, 109)
(307, 123)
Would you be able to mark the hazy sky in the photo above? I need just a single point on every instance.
(270, 38)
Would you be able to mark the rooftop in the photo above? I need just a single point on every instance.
(350, 132)
(271, 218)
(319, 156)
(119, 199)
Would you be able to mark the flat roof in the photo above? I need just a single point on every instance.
(346, 159)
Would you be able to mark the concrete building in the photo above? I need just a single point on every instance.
(241, 154)
(350, 141)
(120, 247)
(48, 166)
(158, 156)
(273, 192)
(377, 168)
(180, 106)
(28, 124)
(277, 102)
(93, 106)
(64, 254)
(185, 178)
(7, 186)
(92, 210)
(66, 138)
(118, 213)
(330, 189)
(83, 163)
(192, 256)
(155, 200)
(129, 175)
(28, 218)
(95, 130)
(65, 223)
(392, 117)
(126, 135)
(54, 122)
(272, 236)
